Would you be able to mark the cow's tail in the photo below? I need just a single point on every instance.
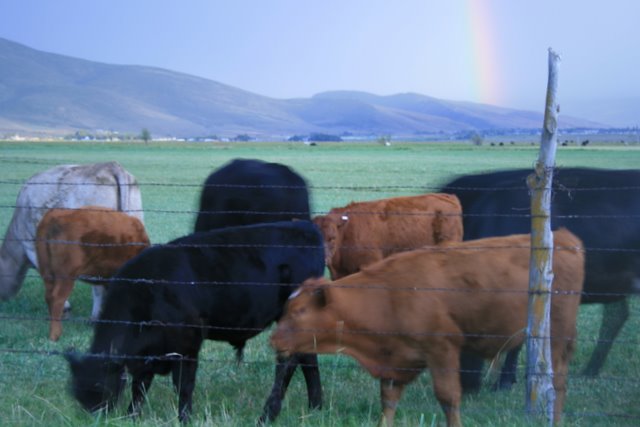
(13, 261)
(129, 197)
(447, 222)
(438, 227)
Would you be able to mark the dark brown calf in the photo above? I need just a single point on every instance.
(92, 241)
(420, 309)
(362, 233)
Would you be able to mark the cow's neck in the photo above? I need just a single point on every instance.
(369, 349)
(375, 351)
(108, 338)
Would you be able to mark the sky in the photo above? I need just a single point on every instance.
(488, 51)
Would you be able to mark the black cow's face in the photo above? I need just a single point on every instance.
(96, 382)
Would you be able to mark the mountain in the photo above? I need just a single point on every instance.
(43, 92)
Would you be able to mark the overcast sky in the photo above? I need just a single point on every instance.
(490, 51)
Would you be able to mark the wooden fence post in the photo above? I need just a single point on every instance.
(540, 391)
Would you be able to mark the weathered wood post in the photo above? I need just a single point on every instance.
(540, 392)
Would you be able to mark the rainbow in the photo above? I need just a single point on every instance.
(486, 79)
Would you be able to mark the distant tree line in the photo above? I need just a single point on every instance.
(82, 135)
(316, 137)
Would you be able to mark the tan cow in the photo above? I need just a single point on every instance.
(365, 232)
(421, 308)
(88, 244)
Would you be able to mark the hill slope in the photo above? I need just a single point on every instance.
(51, 93)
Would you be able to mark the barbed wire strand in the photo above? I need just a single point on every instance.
(354, 187)
(162, 324)
(371, 286)
(447, 247)
(344, 215)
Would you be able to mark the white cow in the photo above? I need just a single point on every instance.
(65, 186)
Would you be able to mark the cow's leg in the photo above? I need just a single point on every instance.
(140, 384)
(471, 372)
(309, 365)
(56, 293)
(444, 366)
(390, 393)
(285, 367)
(98, 294)
(509, 369)
(562, 350)
(613, 317)
(184, 380)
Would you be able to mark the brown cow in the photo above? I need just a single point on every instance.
(421, 308)
(90, 242)
(362, 233)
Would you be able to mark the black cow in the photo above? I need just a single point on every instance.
(248, 191)
(600, 206)
(227, 285)
(251, 191)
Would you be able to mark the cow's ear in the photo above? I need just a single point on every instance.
(319, 295)
(317, 288)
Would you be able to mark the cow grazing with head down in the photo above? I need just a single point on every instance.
(362, 233)
(600, 206)
(250, 191)
(89, 244)
(66, 186)
(227, 285)
(419, 309)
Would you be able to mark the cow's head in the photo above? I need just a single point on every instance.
(307, 323)
(332, 228)
(96, 381)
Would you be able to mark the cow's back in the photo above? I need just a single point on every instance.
(248, 191)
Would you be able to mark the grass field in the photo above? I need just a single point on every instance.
(33, 382)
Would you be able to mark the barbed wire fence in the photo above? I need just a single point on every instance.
(267, 364)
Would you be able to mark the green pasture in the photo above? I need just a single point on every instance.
(34, 378)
